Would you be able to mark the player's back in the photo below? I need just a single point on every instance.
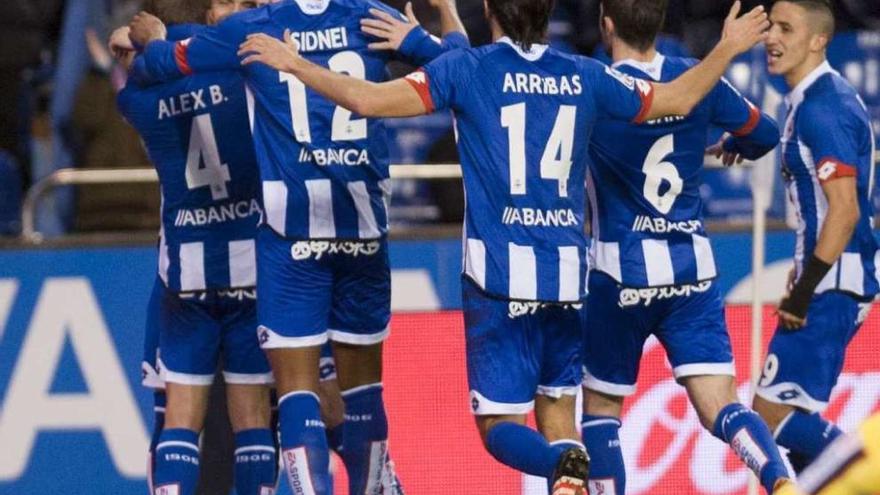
(523, 119)
(325, 170)
(644, 185)
(197, 136)
(828, 134)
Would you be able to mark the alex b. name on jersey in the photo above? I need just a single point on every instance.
(191, 101)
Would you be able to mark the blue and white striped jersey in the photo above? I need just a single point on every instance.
(524, 121)
(324, 169)
(827, 135)
(197, 136)
(644, 183)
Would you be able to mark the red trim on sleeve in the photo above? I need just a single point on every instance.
(419, 81)
(646, 93)
(180, 49)
(829, 169)
(749, 126)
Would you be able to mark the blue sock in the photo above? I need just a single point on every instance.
(601, 435)
(523, 449)
(255, 462)
(335, 437)
(365, 438)
(304, 443)
(177, 462)
(752, 442)
(806, 434)
(158, 426)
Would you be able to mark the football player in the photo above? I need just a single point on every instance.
(828, 166)
(197, 135)
(653, 267)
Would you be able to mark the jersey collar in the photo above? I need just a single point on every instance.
(536, 52)
(654, 68)
(313, 7)
(796, 96)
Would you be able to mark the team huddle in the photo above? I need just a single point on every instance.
(266, 130)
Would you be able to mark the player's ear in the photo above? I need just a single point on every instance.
(819, 42)
(607, 25)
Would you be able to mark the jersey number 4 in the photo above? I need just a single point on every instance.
(203, 151)
(556, 160)
(344, 127)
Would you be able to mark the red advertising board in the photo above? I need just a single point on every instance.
(437, 450)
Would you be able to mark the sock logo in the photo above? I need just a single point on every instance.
(601, 487)
(297, 463)
(168, 489)
(376, 471)
(749, 451)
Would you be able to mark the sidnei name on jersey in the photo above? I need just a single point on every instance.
(535, 84)
(191, 101)
(324, 40)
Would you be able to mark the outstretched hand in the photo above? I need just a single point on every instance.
(390, 29)
(743, 32)
(278, 54)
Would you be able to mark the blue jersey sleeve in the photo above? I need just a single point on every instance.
(617, 96)
(753, 133)
(214, 48)
(420, 47)
(441, 83)
(832, 136)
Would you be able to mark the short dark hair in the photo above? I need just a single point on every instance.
(636, 22)
(524, 21)
(178, 11)
(821, 7)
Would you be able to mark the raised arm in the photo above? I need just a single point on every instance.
(214, 48)
(396, 98)
(413, 43)
(740, 34)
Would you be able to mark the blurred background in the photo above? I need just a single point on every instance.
(73, 416)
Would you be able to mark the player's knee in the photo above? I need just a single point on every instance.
(600, 404)
(773, 414)
(249, 406)
(332, 406)
(487, 422)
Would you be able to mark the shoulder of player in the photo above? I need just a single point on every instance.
(827, 99)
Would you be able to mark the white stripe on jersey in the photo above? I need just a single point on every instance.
(242, 263)
(607, 260)
(705, 259)
(658, 262)
(275, 204)
(523, 270)
(164, 261)
(475, 261)
(569, 273)
(321, 223)
(192, 266)
(368, 228)
(852, 273)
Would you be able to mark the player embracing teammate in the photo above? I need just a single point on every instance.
(322, 262)
(524, 114)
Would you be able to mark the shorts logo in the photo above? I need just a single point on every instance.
(168, 489)
(788, 395)
(475, 404)
(515, 309)
(263, 335)
(304, 250)
(634, 297)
